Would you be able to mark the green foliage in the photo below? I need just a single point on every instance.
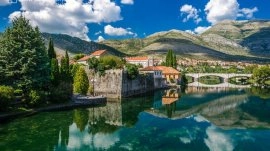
(132, 71)
(78, 56)
(74, 69)
(62, 92)
(81, 82)
(112, 62)
(261, 74)
(6, 96)
(51, 52)
(184, 80)
(55, 75)
(64, 69)
(93, 64)
(171, 59)
(81, 118)
(36, 98)
(23, 61)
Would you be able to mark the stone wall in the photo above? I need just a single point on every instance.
(115, 84)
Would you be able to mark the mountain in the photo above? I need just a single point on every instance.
(227, 40)
(76, 45)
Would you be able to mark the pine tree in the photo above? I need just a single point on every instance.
(81, 82)
(23, 59)
(51, 52)
(55, 71)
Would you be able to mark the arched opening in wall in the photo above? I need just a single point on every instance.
(211, 80)
(240, 80)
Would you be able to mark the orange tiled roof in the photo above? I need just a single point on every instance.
(85, 58)
(164, 69)
(137, 58)
(151, 68)
(98, 52)
(168, 100)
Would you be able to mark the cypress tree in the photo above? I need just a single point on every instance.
(23, 59)
(51, 52)
(55, 71)
(64, 69)
(81, 82)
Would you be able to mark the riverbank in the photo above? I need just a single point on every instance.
(77, 102)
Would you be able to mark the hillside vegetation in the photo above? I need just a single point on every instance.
(227, 40)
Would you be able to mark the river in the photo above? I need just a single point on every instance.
(193, 119)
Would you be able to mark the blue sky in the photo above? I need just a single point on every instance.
(118, 19)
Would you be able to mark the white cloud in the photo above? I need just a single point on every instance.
(218, 141)
(114, 31)
(247, 12)
(71, 17)
(4, 2)
(201, 29)
(190, 31)
(218, 10)
(192, 13)
(100, 39)
(98, 33)
(129, 2)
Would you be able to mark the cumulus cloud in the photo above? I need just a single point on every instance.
(117, 31)
(219, 10)
(191, 12)
(247, 12)
(129, 2)
(100, 39)
(71, 17)
(4, 2)
(201, 29)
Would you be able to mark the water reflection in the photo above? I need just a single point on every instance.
(199, 119)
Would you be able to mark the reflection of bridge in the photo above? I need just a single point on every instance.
(225, 79)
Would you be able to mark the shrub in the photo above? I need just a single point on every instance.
(6, 96)
(81, 82)
(36, 98)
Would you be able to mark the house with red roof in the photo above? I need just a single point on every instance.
(169, 74)
(97, 54)
(144, 61)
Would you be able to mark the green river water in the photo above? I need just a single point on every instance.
(197, 119)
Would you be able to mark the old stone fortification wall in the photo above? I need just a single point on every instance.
(115, 84)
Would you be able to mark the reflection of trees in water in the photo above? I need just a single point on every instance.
(263, 93)
(80, 118)
(36, 132)
(170, 109)
(100, 126)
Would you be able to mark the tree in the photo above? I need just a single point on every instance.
(81, 82)
(55, 71)
(132, 71)
(24, 62)
(64, 69)
(51, 52)
(261, 74)
(93, 64)
(171, 59)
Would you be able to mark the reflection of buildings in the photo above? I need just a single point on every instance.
(170, 96)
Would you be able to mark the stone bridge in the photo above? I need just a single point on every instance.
(225, 77)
